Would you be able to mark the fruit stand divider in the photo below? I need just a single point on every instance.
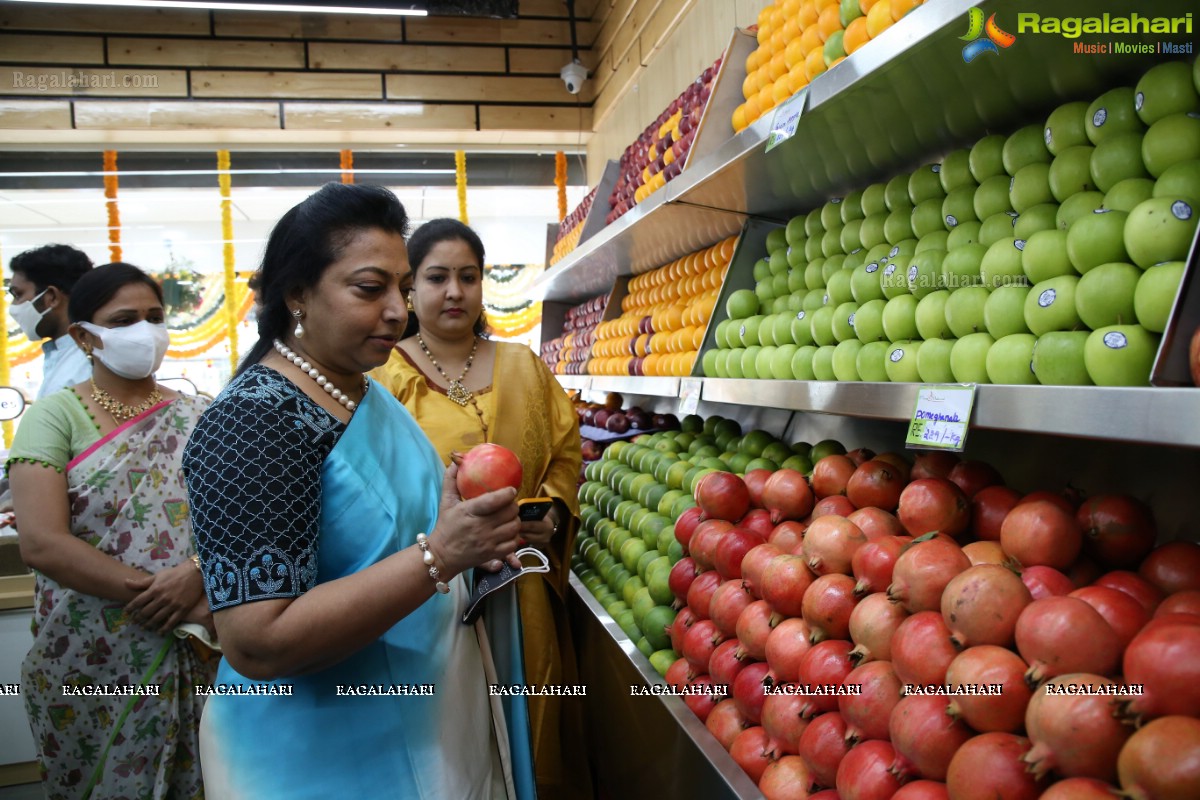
(1171, 367)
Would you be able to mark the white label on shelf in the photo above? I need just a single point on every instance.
(941, 417)
(689, 395)
(787, 116)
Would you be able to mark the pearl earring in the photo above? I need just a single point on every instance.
(299, 331)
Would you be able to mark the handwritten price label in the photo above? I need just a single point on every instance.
(787, 116)
(689, 395)
(941, 418)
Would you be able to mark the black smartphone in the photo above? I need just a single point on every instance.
(534, 508)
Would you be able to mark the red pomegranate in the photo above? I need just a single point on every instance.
(860, 455)
(831, 474)
(921, 649)
(1074, 735)
(754, 563)
(1084, 572)
(836, 504)
(875, 523)
(1173, 567)
(786, 645)
(981, 605)
(864, 773)
(989, 507)
(1059, 499)
(754, 625)
(1080, 789)
(758, 520)
(1162, 760)
(985, 552)
(701, 703)
(684, 620)
(922, 790)
(486, 468)
(727, 604)
(732, 548)
(1061, 635)
(1185, 602)
(823, 668)
(973, 477)
(830, 543)
(934, 505)
(699, 594)
(751, 751)
(685, 526)
(872, 564)
(703, 545)
(899, 462)
(827, 606)
(989, 767)
(724, 664)
(873, 622)
(1118, 530)
(823, 746)
(876, 484)
(681, 577)
(932, 464)
(1165, 661)
(748, 690)
(786, 779)
(679, 673)
(699, 643)
(784, 581)
(925, 736)
(755, 479)
(786, 495)
(1134, 585)
(784, 722)
(1041, 533)
(1125, 615)
(867, 712)
(923, 570)
(1001, 706)
(1046, 582)
(723, 495)
(787, 536)
(725, 722)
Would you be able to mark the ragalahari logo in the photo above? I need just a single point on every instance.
(984, 37)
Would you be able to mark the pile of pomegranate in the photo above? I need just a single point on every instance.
(922, 631)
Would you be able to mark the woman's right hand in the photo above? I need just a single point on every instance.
(471, 532)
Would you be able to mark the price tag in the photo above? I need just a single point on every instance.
(12, 403)
(941, 418)
(787, 116)
(689, 395)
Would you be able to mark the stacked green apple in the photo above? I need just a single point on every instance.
(628, 505)
(1051, 256)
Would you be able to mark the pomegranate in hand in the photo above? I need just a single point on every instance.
(486, 468)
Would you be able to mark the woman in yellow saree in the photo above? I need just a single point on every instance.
(464, 389)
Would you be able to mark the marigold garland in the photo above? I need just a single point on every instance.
(460, 183)
(114, 214)
(4, 368)
(347, 166)
(560, 181)
(231, 317)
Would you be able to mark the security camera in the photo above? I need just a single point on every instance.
(573, 75)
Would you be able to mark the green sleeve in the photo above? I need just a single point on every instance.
(53, 431)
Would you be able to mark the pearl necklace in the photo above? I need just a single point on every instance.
(315, 374)
(457, 391)
(120, 412)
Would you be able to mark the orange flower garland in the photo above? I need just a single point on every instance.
(347, 166)
(560, 181)
(231, 316)
(114, 214)
(460, 183)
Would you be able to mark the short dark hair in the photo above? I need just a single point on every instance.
(428, 236)
(305, 241)
(57, 265)
(101, 284)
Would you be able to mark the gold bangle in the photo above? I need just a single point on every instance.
(427, 557)
(196, 561)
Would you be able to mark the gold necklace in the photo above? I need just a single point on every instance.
(456, 391)
(120, 412)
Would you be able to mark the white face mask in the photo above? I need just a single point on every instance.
(28, 317)
(134, 351)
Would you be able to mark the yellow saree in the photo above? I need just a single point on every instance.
(527, 412)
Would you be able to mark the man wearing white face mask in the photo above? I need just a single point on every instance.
(41, 285)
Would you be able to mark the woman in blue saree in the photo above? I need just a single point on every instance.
(335, 549)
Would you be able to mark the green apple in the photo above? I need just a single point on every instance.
(900, 318)
(905, 247)
(900, 361)
(1165, 90)
(933, 360)
(964, 233)
(812, 247)
(762, 364)
(795, 280)
(720, 364)
(814, 300)
(961, 265)
(822, 363)
(802, 363)
(968, 358)
(748, 332)
(1004, 311)
(997, 227)
(794, 232)
(779, 283)
(830, 266)
(956, 171)
(843, 321)
(874, 199)
(795, 302)
(992, 197)
(777, 261)
(868, 321)
(1050, 305)
(733, 363)
(852, 206)
(1104, 296)
(898, 225)
(766, 329)
(845, 360)
(762, 270)
(708, 363)
(1117, 158)
(1045, 256)
(741, 304)
(864, 283)
(801, 328)
(1180, 180)
(872, 232)
(834, 46)
(813, 227)
(1076, 206)
(927, 217)
(1001, 265)
(959, 206)
(1065, 127)
(895, 194)
(1097, 238)
(1058, 359)
(1160, 229)
(831, 242)
(1042, 217)
(925, 184)
(1171, 140)
(1120, 355)
(987, 158)
(1071, 172)
(822, 326)
(776, 240)
(850, 235)
(814, 277)
(933, 241)
(750, 362)
(1030, 187)
(855, 258)
(1112, 114)
(1026, 146)
(1125, 195)
(870, 362)
(924, 276)
(781, 327)
(1154, 296)
(831, 214)
(795, 257)
(931, 315)
(964, 311)
(878, 253)
(1010, 359)
(894, 280)
(839, 288)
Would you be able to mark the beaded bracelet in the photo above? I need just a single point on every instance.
(427, 557)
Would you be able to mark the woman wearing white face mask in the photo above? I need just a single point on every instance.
(103, 519)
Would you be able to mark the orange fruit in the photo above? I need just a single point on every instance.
(811, 39)
(879, 19)
(727, 249)
(776, 67)
(766, 98)
(856, 35)
(748, 85)
(754, 60)
(815, 63)
(865, 5)
(807, 15)
(697, 337)
(790, 29)
(782, 89)
(899, 8)
(763, 35)
(777, 42)
(793, 54)
(753, 111)
(797, 77)
(791, 7)
(829, 21)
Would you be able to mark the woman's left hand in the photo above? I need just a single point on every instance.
(538, 532)
(165, 597)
